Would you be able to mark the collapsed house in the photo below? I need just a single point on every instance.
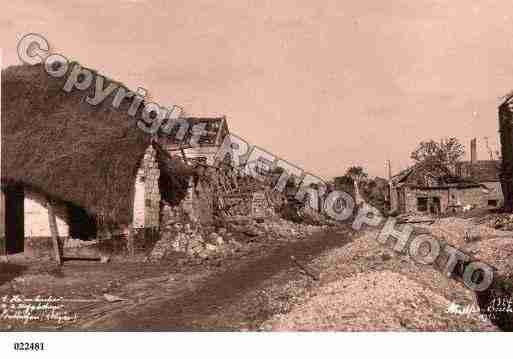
(506, 135)
(428, 188)
(102, 176)
(168, 197)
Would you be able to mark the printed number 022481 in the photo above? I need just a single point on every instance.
(26, 346)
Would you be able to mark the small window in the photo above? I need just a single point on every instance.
(422, 204)
(492, 203)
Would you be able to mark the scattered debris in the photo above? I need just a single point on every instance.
(307, 271)
(415, 218)
(205, 242)
(112, 298)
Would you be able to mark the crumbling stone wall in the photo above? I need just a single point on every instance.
(185, 221)
(195, 206)
(147, 197)
(151, 190)
(473, 196)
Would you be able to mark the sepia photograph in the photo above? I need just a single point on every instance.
(256, 178)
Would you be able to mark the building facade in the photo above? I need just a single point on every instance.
(424, 189)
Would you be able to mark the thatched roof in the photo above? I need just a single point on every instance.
(55, 143)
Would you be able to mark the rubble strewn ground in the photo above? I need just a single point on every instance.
(138, 280)
(249, 281)
(502, 221)
(211, 242)
(477, 237)
(367, 286)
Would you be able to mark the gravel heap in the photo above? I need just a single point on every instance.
(368, 301)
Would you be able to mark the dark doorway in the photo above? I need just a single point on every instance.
(436, 206)
(422, 204)
(14, 219)
(81, 224)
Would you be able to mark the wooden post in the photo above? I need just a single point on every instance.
(184, 156)
(130, 241)
(54, 231)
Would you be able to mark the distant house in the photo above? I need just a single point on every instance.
(428, 189)
(486, 173)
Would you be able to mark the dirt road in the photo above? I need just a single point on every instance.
(362, 285)
(239, 296)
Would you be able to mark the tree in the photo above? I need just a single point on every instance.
(358, 184)
(357, 173)
(351, 181)
(344, 183)
(354, 174)
(444, 153)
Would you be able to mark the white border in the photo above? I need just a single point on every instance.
(259, 345)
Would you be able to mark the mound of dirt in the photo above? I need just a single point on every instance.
(369, 302)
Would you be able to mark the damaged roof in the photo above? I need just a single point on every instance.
(428, 175)
(58, 145)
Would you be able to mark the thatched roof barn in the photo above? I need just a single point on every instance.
(58, 145)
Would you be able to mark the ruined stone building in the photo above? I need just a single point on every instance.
(506, 134)
(104, 177)
(429, 189)
(210, 190)
(161, 194)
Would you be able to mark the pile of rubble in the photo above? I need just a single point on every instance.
(503, 222)
(283, 229)
(415, 218)
(205, 242)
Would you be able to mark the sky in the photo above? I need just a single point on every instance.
(322, 84)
